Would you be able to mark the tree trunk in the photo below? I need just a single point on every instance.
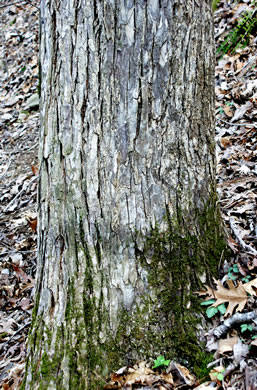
(128, 224)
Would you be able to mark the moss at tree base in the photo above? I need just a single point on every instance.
(163, 322)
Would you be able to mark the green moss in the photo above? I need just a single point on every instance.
(163, 322)
(3, 335)
(201, 371)
(174, 260)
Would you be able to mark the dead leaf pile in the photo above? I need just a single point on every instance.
(236, 111)
(140, 375)
(19, 119)
(236, 138)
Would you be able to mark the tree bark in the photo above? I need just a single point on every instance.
(128, 223)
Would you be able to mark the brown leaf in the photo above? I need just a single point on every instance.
(21, 274)
(235, 296)
(33, 224)
(225, 142)
(34, 169)
(251, 286)
(227, 111)
(226, 345)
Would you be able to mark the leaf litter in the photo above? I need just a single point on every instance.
(18, 184)
(236, 109)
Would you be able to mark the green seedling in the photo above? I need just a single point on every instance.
(232, 271)
(161, 362)
(219, 375)
(245, 327)
(212, 310)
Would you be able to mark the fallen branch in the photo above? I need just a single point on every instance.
(231, 368)
(237, 124)
(236, 319)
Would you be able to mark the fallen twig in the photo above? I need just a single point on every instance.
(237, 124)
(236, 319)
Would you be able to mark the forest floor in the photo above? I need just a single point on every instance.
(232, 342)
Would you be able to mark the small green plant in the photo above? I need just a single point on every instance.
(219, 375)
(239, 36)
(232, 271)
(212, 310)
(234, 274)
(245, 327)
(161, 362)
(221, 111)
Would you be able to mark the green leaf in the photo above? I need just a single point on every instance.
(243, 327)
(235, 268)
(160, 361)
(222, 308)
(220, 376)
(211, 311)
(254, 337)
(231, 276)
(207, 303)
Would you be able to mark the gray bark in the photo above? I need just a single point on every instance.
(127, 156)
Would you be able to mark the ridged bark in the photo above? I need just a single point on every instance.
(127, 216)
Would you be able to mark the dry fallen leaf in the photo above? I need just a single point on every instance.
(227, 111)
(249, 286)
(35, 170)
(21, 274)
(235, 296)
(226, 345)
(33, 224)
